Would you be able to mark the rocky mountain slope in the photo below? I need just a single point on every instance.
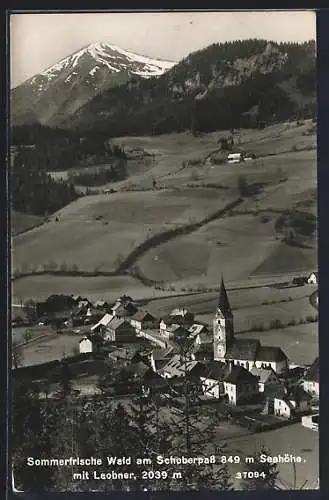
(235, 84)
(62, 89)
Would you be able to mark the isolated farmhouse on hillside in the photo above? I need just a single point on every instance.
(313, 278)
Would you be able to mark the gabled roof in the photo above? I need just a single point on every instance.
(115, 323)
(223, 302)
(238, 374)
(160, 353)
(244, 349)
(214, 370)
(176, 368)
(316, 274)
(296, 394)
(269, 353)
(313, 373)
(175, 328)
(106, 319)
(263, 374)
(84, 339)
(171, 320)
(141, 315)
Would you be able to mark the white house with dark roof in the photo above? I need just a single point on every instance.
(226, 379)
(289, 403)
(312, 378)
(85, 345)
(244, 352)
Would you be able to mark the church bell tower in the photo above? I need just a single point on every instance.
(223, 325)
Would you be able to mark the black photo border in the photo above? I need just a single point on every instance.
(322, 38)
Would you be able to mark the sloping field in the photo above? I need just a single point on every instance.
(171, 150)
(287, 258)
(234, 246)
(98, 232)
(21, 222)
(245, 244)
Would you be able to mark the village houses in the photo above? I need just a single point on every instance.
(235, 383)
(311, 379)
(289, 402)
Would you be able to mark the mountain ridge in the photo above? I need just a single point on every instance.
(235, 84)
(72, 81)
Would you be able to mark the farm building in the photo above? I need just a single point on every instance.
(102, 324)
(143, 320)
(313, 278)
(235, 158)
(120, 330)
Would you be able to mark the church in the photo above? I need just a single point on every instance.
(245, 352)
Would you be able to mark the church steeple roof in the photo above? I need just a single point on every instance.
(223, 302)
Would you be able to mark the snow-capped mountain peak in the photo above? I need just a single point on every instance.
(75, 80)
(114, 58)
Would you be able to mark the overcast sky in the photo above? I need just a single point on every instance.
(40, 40)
